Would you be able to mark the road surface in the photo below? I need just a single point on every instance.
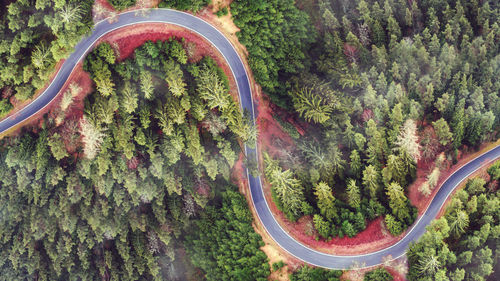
(246, 102)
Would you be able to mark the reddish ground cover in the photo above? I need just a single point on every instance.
(482, 173)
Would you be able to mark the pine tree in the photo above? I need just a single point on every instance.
(174, 79)
(92, 137)
(433, 177)
(129, 100)
(397, 201)
(408, 140)
(353, 194)
(458, 222)
(425, 188)
(371, 180)
(310, 105)
(326, 200)
(429, 264)
(322, 226)
(394, 171)
(393, 27)
(394, 226)
(57, 147)
(376, 143)
(335, 157)
(458, 124)
(288, 189)
(147, 86)
(442, 131)
(211, 89)
(355, 163)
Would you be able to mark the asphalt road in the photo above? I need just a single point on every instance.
(273, 228)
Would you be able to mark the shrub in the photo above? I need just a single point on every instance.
(379, 274)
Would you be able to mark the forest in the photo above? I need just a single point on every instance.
(158, 139)
(462, 244)
(380, 86)
(376, 88)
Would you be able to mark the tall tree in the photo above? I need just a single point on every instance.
(442, 131)
(92, 137)
(310, 105)
(371, 180)
(147, 86)
(129, 100)
(326, 200)
(211, 89)
(458, 222)
(408, 140)
(174, 79)
(57, 147)
(398, 201)
(322, 226)
(458, 123)
(289, 190)
(353, 193)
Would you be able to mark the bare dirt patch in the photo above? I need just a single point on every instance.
(102, 9)
(224, 23)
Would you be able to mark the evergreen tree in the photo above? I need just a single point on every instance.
(326, 200)
(353, 194)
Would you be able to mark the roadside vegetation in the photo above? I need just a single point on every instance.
(33, 38)
(183, 5)
(306, 273)
(121, 4)
(385, 85)
(112, 193)
(380, 88)
(462, 244)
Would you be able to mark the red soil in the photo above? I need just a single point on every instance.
(481, 173)
(374, 237)
(274, 140)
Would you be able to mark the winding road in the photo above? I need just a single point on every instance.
(210, 33)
